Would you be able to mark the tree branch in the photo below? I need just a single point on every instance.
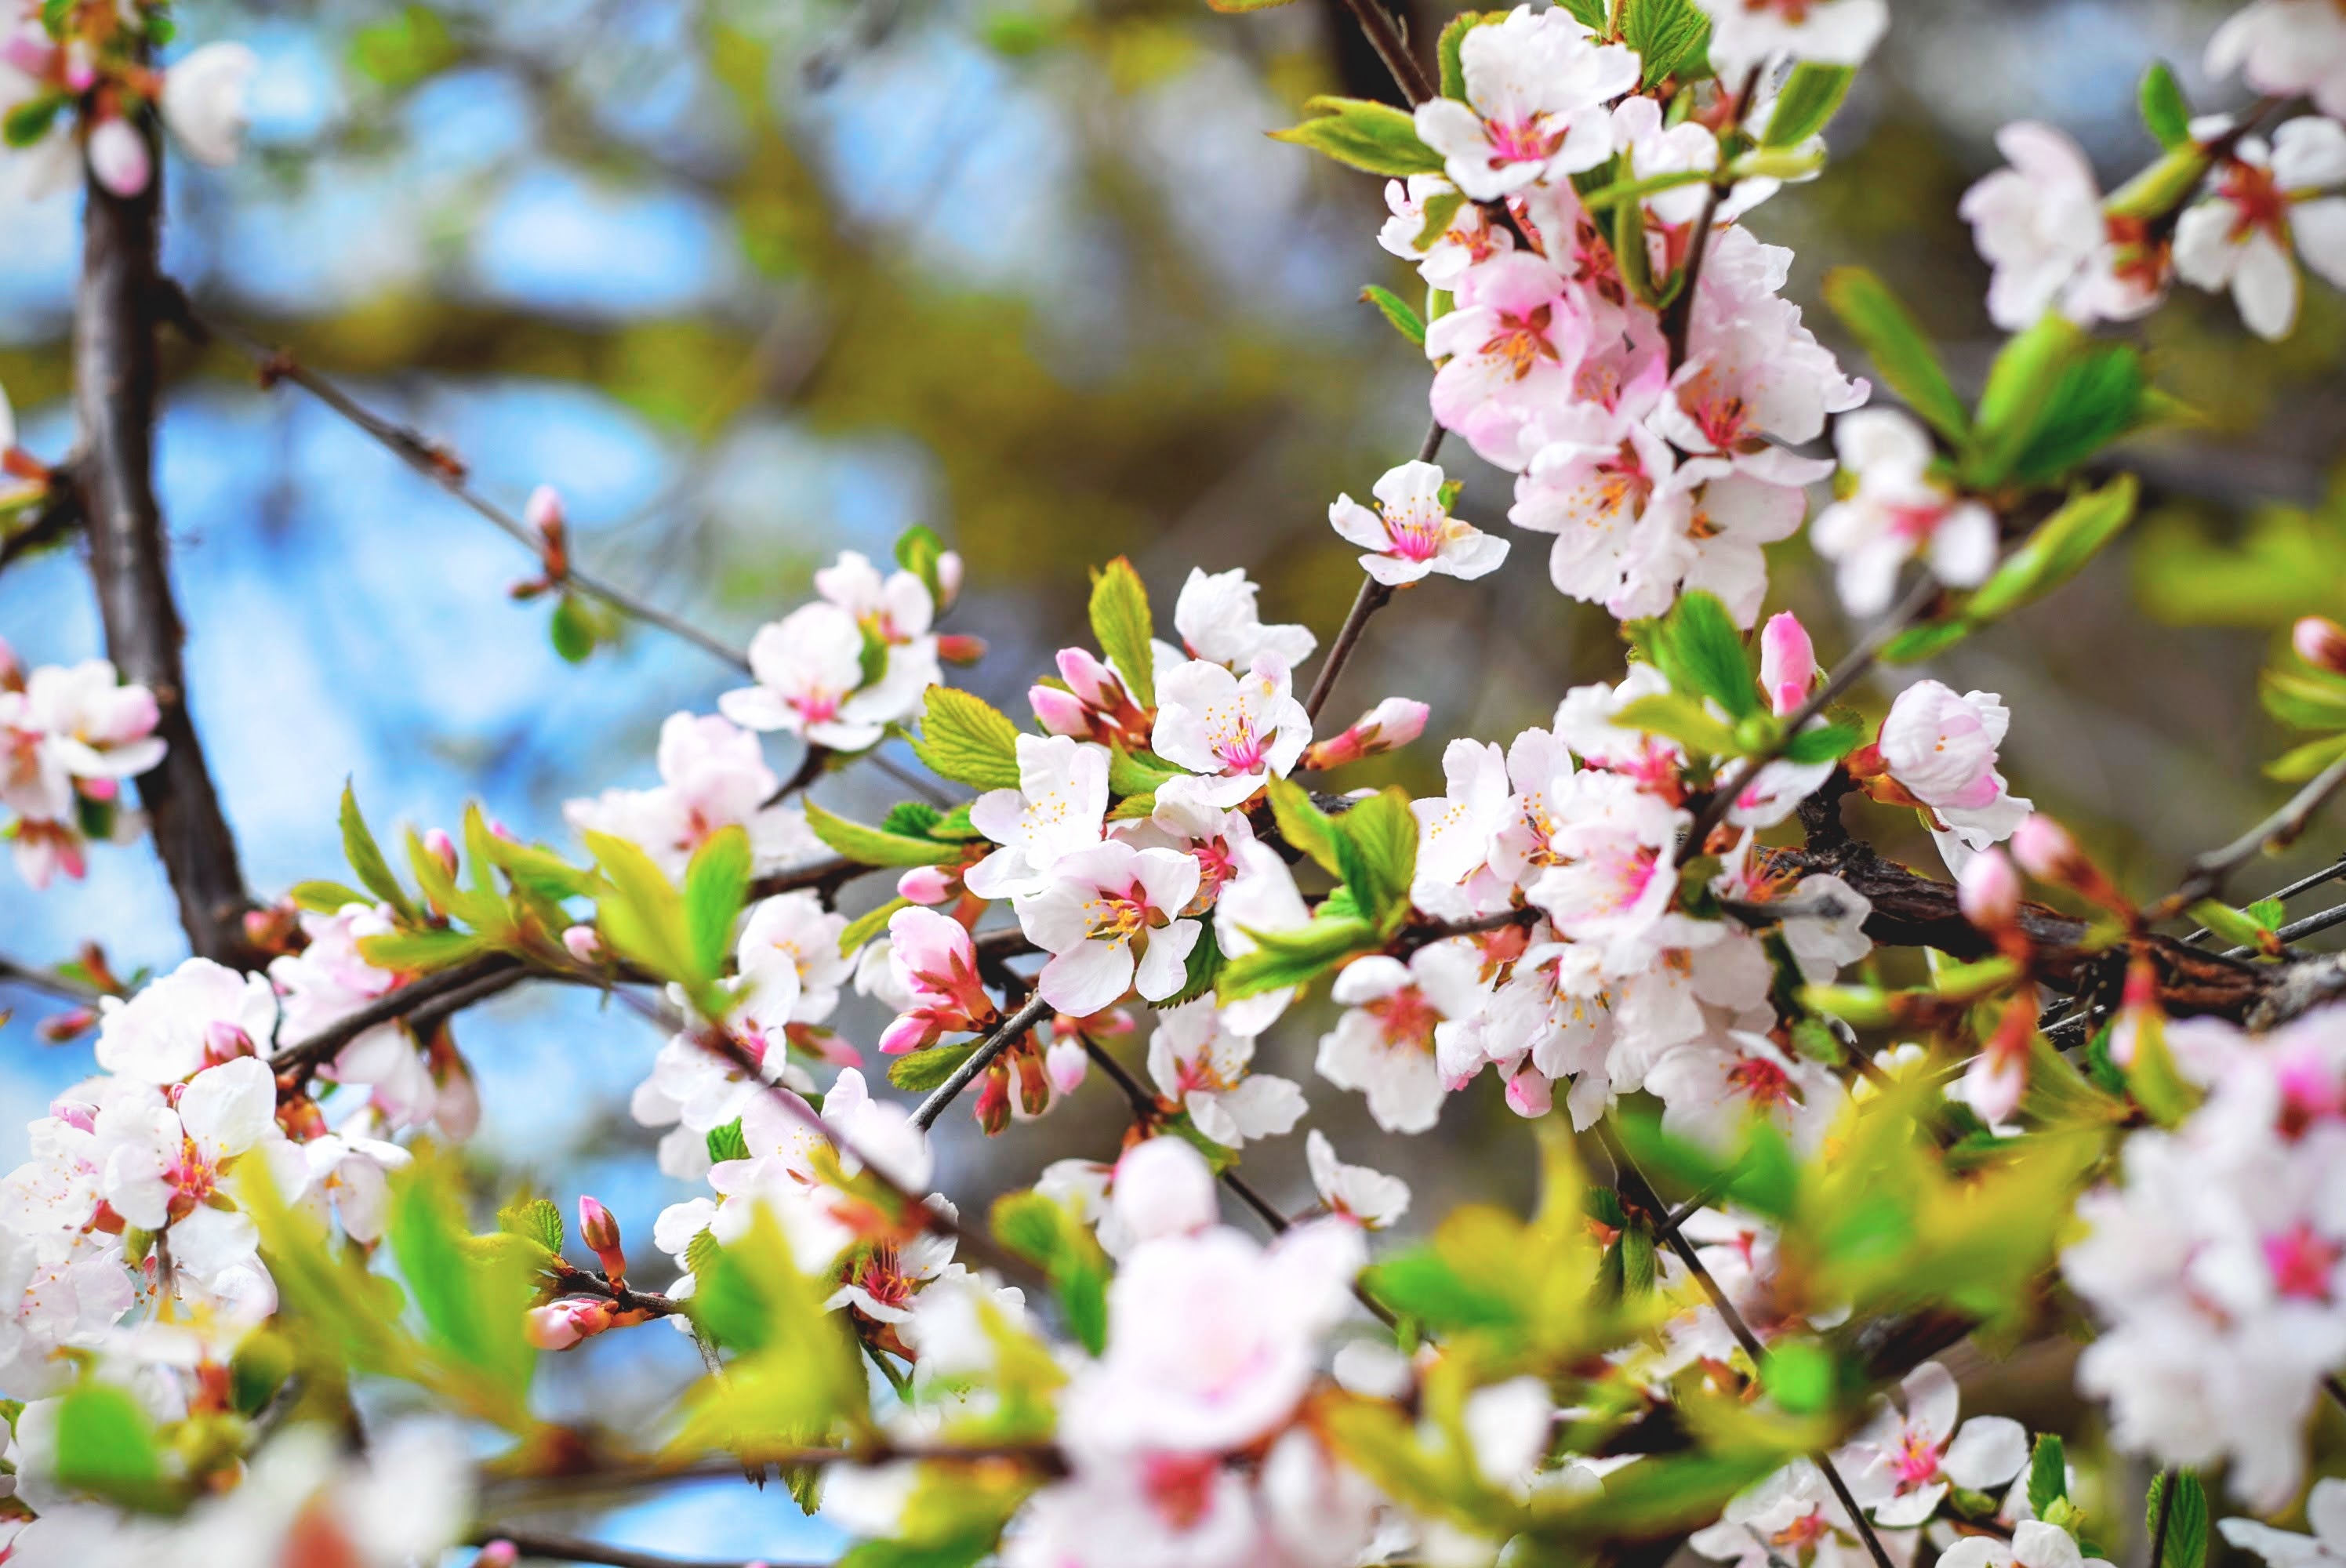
(115, 382)
(1014, 1030)
(549, 1547)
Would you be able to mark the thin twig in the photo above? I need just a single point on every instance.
(2208, 873)
(436, 463)
(57, 514)
(48, 982)
(2328, 873)
(1853, 665)
(1385, 38)
(1017, 1029)
(2298, 930)
(551, 1548)
(1677, 316)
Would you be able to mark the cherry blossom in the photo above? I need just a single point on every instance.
(1217, 620)
(1612, 879)
(1058, 808)
(810, 671)
(2325, 1510)
(1442, 259)
(2266, 199)
(1745, 33)
(713, 776)
(1507, 352)
(1202, 1066)
(936, 963)
(1536, 86)
(1897, 512)
(1791, 1517)
(1709, 1087)
(1237, 732)
(1940, 750)
(1390, 725)
(1410, 532)
(1111, 919)
(197, 1016)
(1354, 1192)
(1902, 1463)
(204, 101)
(2286, 47)
(2034, 1544)
(1383, 1045)
(2039, 223)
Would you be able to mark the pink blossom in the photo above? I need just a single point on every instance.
(1508, 353)
(1410, 532)
(1111, 919)
(933, 960)
(1788, 663)
(1536, 86)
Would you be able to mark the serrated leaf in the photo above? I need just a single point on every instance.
(1812, 95)
(877, 846)
(2269, 913)
(716, 885)
(1123, 628)
(2165, 110)
(1287, 958)
(1681, 719)
(918, 551)
(1902, 354)
(1304, 825)
(2187, 1518)
(1396, 310)
(870, 924)
(639, 912)
(1376, 851)
(1670, 35)
(536, 1219)
(966, 739)
(910, 818)
(727, 1143)
(956, 824)
(1131, 773)
(1205, 966)
(922, 1071)
(365, 856)
(2048, 1473)
(1447, 51)
(420, 951)
(1703, 654)
(1825, 742)
(1376, 138)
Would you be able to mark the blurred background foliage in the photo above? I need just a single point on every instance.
(754, 282)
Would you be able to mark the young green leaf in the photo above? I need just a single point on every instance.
(869, 924)
(910, 818)
(2301, 763)
(420, 951)
(1681, 719)
(918, 1072)
(1447, 50)
(536, 1219)
(2165, 110)
(966, 739)
(1703, 654)
(639, 912)
(473, 1300)
(324, 897)
(1671, 36)
(1304, 826)
(2187, 1519)
(1812, 94)
(2048, 1473)
(716, 886)
(1137, 773)
(1372, 136)
(365, 856)
(1396, 310)
(105, 1444)
(1825, 742)
(1125, 628)
(727, 1143)
(877, 846)
(1902, 354)
(571, 630)
(1286, 958)
(918, 551)
(2058, 550)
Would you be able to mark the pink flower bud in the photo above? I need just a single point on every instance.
(1394, 722)
(12, 668)
(949, 570)
(70, 1024)
(100, 789)
(1061, 712)
(544, 511)
(497, 1555)
(562, 1324)
(442, 848)
(1988, 890)
(1529, 1093)
(960, 647)
(583, 943)
(1788, 663)
(224, 1042)
(118, 159)
(1067, 1065)
(992, 1108)
(929, 885)
(2321, 641)
(1094, 683)
(2043, 849)
(907, 1032)
(600, 1232)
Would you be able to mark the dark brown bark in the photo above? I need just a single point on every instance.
(115, 399)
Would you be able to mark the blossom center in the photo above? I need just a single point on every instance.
(2258, 201)
(2301, 1262)
(1521, 341)
(1917, 1459)
(1406, 1017)
(1528, 140)
(1116, 917)
(1763, 1083)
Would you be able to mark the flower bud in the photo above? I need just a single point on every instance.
(499, 1554)
(949, 570)
(225, 1042)
(2043, 849)
(2321, 642)
(1061, 712)
(1033, 1086)
(100, 789)
(927, 885)
(1788, 663)
(562, 1324)
(1988, 891)
(545, 513)
(1394, 722)
(70, 1024)
(960, 647)
(118, 159)
(993, 1108)
(583, 943)
(600, 1232)
(1529, 1093)
(12, 668)
(1094, 683)
(1067, 1065)
(442, 848)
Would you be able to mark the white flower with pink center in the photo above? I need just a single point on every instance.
(1613, 877)
(168, 1166)
(2034, 1544)
(882, 1281)
(936, 963)
(1456, 833)
(1236, 732)
(1217, 619)
(1058, 808)
(1585, 721)
(1712, 1088)
(1897, 512)
(98, 727)
(1941, 748)
(1748, 33)
(1596, 472)
(204, 101)
(2325, 1510)
(2039, 224)
(1111, 919)
(1508, 354)
(713, 775)
(1200, 1066)
(1536, 87)
(1260, 896)
(810, 671)
(198, 1016)
(1358, 1192)
(2272, 205)
(1443, 257)
(2286, 47)
(1383, 1045)
(1411, 534)
(1902, 1461)
(1790, 1518)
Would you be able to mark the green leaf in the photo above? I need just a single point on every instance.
(106, 1444)
(472, 1301)
(1825, 743)
(877, 846)
(536, 1219)
(2053, 396)
(1304, 825)
(1137, 773)
(1447, 48)
(1440, 209)
(2057, 551)
(2234, 926)
(1917, 643)
(918, 551)
(1699, 649)
(2097, 399)
(966, 739)
(2311, 699)
(1678, 718)
(2269, 913)
(2165, 110)
(1670, 36)
(326, 898)
(2301, 763)
(716, 885)
(869, 924)
(1397, 310)
(1376, 138)
(1047, 1235)
(366, 856)
(639, 913)
(727, 1143)
(2187, 1519)
(1376, 850)
(402, 50)
(2048, 1473)
(955, 826)
(420, 951)
(1205, 967)
(919, 1072)
(910, 818)
(1902, 356)
(1812, 94)
(1287, 958)
(1621, 190)
(572, 629)
(1800, 1375)
(29, 121)
(1123, 628)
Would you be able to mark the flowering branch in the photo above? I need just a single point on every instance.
(433, 460)
(529, 1544)
(2208, 873)
(1015, 1029)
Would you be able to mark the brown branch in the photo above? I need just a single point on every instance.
(2208, 873)
(57, 514)
(48, 982)
(115, 394)
(549, 1547)
(1015, 1029)
(1677, 316)
(1385, 38)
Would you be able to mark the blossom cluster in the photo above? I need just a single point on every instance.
(69, 738)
